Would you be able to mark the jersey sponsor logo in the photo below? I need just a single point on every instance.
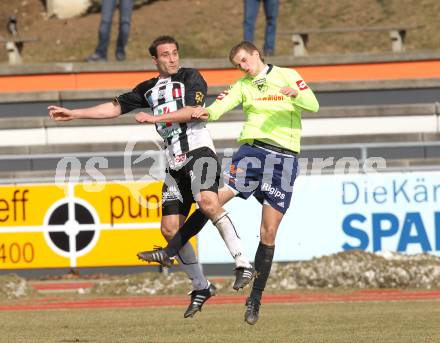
(261, 85)
(199, 98)
(273, 191)
(271, 97)
(163, 110)
(163, 81)
(222, 95)
(262, 88)
(302, 85)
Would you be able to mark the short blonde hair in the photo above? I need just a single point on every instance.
(246, 46)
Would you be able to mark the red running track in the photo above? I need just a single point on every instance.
(51, 303)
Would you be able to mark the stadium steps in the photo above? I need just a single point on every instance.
(336, 121)
(347, 93)
(398, 110)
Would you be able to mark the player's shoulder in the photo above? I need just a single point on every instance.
(190, 77)
(147, 84)
(285, 73)
(286, 70)
(189, 73)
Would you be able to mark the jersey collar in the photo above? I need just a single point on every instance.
(267, 69)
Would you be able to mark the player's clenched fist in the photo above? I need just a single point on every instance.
(289, 91)
(60, 113)
(143, 117)
(200, 113)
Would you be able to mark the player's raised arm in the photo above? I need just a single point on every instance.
(102, 111)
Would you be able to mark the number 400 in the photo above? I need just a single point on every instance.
(16, 253)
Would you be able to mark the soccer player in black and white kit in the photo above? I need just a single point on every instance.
(193, 170)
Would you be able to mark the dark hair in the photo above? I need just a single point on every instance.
(246, 46)
(159, 41)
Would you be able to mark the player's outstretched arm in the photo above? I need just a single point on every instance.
(102, 111)
(182, 115)
(200, 113)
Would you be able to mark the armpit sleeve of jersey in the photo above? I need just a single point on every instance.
(226, 101)
(306, 98)
(131, 101)
(195, 89)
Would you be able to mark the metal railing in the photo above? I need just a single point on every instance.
(156, 170)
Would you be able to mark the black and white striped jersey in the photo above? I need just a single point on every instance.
(185, 88)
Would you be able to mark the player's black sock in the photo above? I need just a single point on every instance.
(263, 264)
(192, 227)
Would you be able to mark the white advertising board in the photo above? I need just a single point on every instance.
(332, 213)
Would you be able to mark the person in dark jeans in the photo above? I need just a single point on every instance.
(251, 8)
(107, 9)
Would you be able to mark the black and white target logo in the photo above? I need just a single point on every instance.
(72, 228)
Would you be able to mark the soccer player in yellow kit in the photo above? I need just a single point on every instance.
(266, 163)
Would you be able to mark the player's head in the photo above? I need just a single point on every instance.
(164, 51)
(246, 57)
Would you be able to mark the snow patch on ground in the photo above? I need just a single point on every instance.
(13, 287)
(359, 269)
(351, 269)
